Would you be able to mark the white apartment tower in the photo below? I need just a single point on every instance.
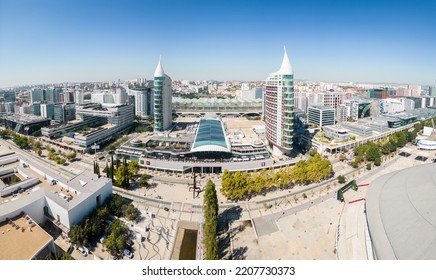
(279, 108)
(79, 97)
(143, 101)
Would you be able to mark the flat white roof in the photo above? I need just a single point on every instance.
(401, 212)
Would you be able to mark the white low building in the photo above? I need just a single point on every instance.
(45, 195)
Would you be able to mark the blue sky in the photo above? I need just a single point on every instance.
(371, 41)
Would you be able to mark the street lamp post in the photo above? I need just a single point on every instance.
(280, 216)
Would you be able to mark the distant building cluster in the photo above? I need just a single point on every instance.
(82, 114)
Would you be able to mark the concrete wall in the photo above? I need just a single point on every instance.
(7, 171)
(89, 204)
(55, 209)
(9, 159)
(32, 204)
(23, 185)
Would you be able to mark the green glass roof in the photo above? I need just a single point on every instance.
(210, 132)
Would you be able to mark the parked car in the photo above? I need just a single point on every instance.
(88, 249)
(128, 254)
(82, 251)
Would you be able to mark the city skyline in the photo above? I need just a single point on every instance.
(378, 42)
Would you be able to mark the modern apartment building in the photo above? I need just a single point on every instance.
(53, 94)
(279, 108)
(64, 112)
(116, 119)
(321, 116)
(144, 99)
(37, 95)
(113, 96)
(9, 96)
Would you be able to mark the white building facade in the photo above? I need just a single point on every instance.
(144, 101)
(279, 108)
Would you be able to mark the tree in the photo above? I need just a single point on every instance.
(372, 153)
(392, 145)
(130, 212)
(385, 149)
(400, 138)
(410, 136)
(126, 174)
(143, 180)
(36, 145)
(107, 171)
(210, 209)
(133, 168)
(21, 141)
(299, 172)
(39, 152)
(115, 204)
(112, 165)
(312, 152)
(116, 242)
(71, 156)
(59, 256)
(368, 166)
(377, 162)
(120, 176)
(78, 235)
(96, 168)
(3, 133)
(360, 150)
(341, 157)
(341, 179)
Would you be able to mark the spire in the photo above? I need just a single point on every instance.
(159, 72)
(286, 67)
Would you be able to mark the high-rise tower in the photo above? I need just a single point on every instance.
(163, 105)
(279, 108)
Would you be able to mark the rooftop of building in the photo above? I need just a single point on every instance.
(355, 125)
(401, 214)
(67, 193)
(336, 128)
(286, 67)
(24, 118)
(372, 121)
(96, 130)
(21, 238)
(159, 72)
(71, 123)
(321, 107)
(210, 136)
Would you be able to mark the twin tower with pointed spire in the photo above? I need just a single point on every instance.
(163, 99)
(278, 101)
(279, 108)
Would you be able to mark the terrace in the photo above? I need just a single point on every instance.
(22, 239)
